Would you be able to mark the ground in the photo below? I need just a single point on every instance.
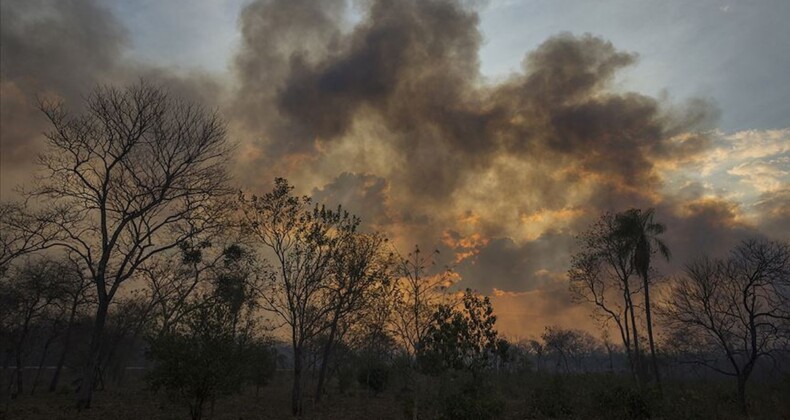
(527, 396)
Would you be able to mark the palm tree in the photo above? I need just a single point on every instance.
(642, 231)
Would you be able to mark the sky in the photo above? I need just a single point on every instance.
(492, 131)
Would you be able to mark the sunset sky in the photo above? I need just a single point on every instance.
(493, 131)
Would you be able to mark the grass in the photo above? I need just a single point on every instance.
(525, 396)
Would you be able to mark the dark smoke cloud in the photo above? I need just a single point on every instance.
(364, 195)
(58, 48)
(413, 66)
(63, 49)
(410, 68)
(507, 265)
(390, 117)
(774, 214)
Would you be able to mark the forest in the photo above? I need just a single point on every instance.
(137, 280)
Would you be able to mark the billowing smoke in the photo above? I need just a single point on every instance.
(380, 105)
(62, 50)
(50, 48)
(551, 146)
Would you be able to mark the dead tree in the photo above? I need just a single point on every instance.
(133, 176)
(727, 314)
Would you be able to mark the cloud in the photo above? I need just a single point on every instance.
(390, 116)
(411, 68)
(63, 49)
(361, 194)
(50, 48)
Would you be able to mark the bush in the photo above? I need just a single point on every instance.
(474, 401)
(206, 357)
(619, 402)
(553, 401)
(374, 377)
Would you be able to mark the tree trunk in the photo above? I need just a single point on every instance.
(742, 395)
(296, 394)
(41, 360)
(325, 362)
(637, 354)
(85, 393)
(650, 333)
(66, 341)
(19, 359)
(19, 380)
(415, 399)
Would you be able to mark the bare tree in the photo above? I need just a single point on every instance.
(23, 231)
(728, 314)
(304, 239)
(133, 176)
(538, 350)
(76, 296)
(570, 347)
(31, 292)
(416, 295)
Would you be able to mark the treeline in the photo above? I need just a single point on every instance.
(133, 237)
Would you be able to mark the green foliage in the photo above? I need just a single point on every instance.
(205, 357)
(212, 351)
(462, 339)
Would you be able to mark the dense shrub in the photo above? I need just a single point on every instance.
(374, 377)
(552, 400)
(473, 399)
(619, 402)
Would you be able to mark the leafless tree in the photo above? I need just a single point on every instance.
(23, 231)
(133, 176)
(30, 293)
(728, 314)
(538, 350)
(76, 297)
(569, 347)
(415, 295)
(304, 239)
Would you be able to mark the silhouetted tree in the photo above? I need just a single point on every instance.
(30, 293)
(728, 314)
(23, 231)
(213, 349)
(360, 262)
(304, 240)
(133, 176)
(207, 354)
(462, 337)
(601, 274)
(414, 297)
(76, 297)
(642, 230)
(569, 346)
